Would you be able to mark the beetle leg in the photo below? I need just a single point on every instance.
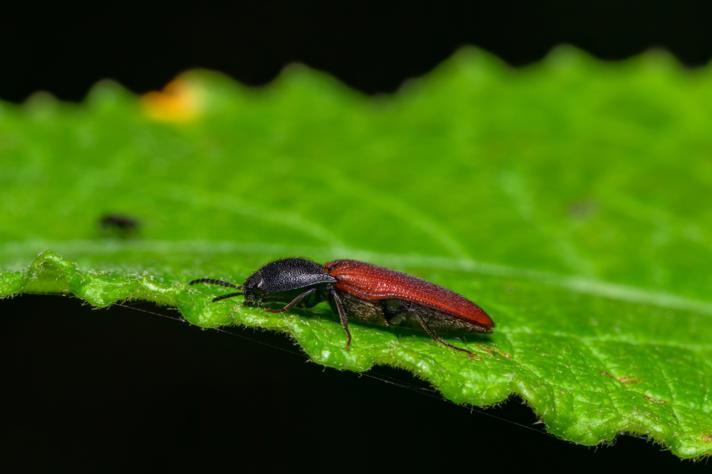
(439, 339)
(342, 316)
(394, 320)
(294, 302)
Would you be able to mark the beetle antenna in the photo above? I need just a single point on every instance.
(229, 295)
(213, 281)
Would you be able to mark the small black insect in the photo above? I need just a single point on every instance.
(119, 224)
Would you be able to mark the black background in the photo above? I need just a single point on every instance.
(121, 390)
(372, 46)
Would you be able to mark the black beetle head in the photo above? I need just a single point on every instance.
(282, 276)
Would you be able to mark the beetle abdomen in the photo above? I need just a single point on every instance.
(366, 312)
(404, 314)
(372, 283)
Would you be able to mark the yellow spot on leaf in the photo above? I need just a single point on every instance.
(177, 102)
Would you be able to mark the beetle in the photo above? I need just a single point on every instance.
(362, 292)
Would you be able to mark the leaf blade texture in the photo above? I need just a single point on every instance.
(568, 199)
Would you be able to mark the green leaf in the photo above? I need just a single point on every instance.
(569, 199)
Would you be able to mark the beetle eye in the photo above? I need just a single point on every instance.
(259, 283)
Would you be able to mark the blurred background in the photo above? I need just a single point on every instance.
(81, 398)
(369, 46)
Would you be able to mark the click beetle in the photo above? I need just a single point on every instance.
(361, 292)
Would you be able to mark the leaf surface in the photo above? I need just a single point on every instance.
(569, 199)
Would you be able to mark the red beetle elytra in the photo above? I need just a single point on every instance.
(362, 292)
